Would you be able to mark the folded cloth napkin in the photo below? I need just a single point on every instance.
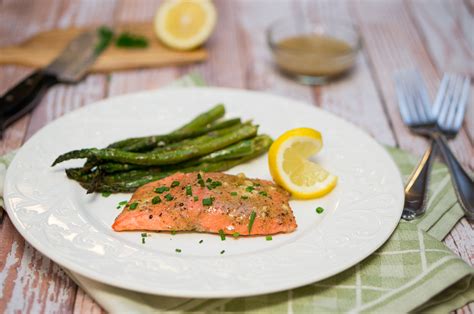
(412, 271)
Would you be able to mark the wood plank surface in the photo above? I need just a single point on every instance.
(446, 27)
(239, 57)
(37, 284)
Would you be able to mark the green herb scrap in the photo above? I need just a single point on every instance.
(129, 40)
(222, 234)
(207, 201)
(319, 210)
(162, 189)
(105, 36)
(175, 184)
(156, 200)
(144, 235)
(251, 221)
(189, 190)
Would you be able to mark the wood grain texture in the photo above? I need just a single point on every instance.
(443, 24)
(386, 26)
(85, 304)
(239, 57)
(253, 19)
(446, 27)
(39, 285)
(354, 98)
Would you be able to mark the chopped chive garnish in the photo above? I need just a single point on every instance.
(263, 193)
(201, 241)
(257, 184)
(223, 251)
(215, 184)
(169, 197)
(174, 184)
(268, 238)
(209, 180)
(118, 207)
(207, 201)
(200, 180)
(244, 197)
(173, 232)
(249, 188)
(233, 193)
(156, 200)
(252, 219)
(196, 198)
(133, 205)
(189, 190)
(162, 189)
(123, 203)
(222, 234)
(235, 234)
(319, 210)
(106, 194)
(144, 235)
(130, 41)
(178, 250)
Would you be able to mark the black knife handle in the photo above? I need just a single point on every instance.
(22, 98)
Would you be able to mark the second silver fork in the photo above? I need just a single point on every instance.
(445, 118)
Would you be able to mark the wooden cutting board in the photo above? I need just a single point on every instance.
(42, 48)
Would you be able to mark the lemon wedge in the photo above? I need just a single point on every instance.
(290, 167)
(185, 24)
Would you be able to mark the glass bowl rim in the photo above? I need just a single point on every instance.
(341, 24)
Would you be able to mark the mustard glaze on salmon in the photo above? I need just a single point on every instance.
(208, 202)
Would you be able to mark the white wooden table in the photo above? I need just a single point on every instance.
(433, 35)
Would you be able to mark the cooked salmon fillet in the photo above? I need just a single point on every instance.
(208, 202)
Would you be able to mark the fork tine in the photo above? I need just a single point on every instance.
(440, 95)
(424, 98)
(444, 107)
(454, 103)
(421, 98)
(462, 104)
(410, 85)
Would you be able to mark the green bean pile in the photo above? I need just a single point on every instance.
(207, 143)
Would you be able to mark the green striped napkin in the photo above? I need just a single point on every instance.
(412, 271)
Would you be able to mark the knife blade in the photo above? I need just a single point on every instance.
(69, 67)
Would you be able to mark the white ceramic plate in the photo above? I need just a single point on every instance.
(72, 228)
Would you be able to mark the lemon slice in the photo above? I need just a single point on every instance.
(290, 167)
(185, 24)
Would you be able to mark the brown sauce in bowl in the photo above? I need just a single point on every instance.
(314, 55)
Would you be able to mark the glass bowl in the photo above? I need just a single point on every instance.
(313, 52)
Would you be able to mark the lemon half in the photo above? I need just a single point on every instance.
(290, 167)
(185, 24)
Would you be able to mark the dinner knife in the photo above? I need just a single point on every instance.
(69, 67)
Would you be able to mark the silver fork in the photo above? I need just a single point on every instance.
(445, 119)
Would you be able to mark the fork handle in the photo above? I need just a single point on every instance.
(417, 186)
(463, 183)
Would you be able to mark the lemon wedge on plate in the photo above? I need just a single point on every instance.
(185, 24)
(290, 167)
